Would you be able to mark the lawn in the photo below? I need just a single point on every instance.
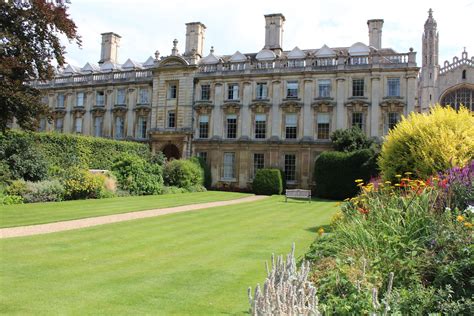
(40, 213)
(198, 262)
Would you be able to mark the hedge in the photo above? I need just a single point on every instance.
(267, 182)
(335, 172)
(183, 173)
(62, 151)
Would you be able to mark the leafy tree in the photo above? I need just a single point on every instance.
(351, 139)
(30, 44)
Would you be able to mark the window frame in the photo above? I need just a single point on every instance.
(231, 127)
(393, 91)
(261, 91)
(171, 119)
(118, 96)
(358, 86)
(205, 92)
(80, 93)
(203, 127)
(172, 91)
(100, 98)
(233, 91)
(360, 124)
(324, 85)
(260, 126)
(290, 177)
(323, 129)
(225, 168)
(291, 131)
(292, 93)
(258, 163)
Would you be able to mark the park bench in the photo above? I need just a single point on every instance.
(298, 194)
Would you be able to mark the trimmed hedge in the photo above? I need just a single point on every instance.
(335, 172)
(207, 170)
(62, 151)
(267, 182)
(183, 173)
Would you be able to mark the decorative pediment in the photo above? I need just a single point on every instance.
(59, 112)
(150, 62)
(142, 109)
(323, 105)
(291, 106)
(393, 104)
(71, 69)
(260, 106)
(265, 54)
(325, 51)
(296, 53)
(173, 61)
(203, 107)
(359, 49)
(231, 107)
(119, 109)
(238, 57)
(78, 109)
(358, 105)
(210, 59)
(98, 110)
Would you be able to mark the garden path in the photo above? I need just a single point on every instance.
(108, 219)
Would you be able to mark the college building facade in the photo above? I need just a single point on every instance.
(242, 112)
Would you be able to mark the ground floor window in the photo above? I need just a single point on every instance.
(358, 120)
(390, 121)
(119, 127)
(229, 168)
(290, 167)
(202, 155)
(98, 124)
(258, 162)
(78, 125)
(142, 127)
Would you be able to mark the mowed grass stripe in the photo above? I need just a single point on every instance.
(41, 213)
(188, 263)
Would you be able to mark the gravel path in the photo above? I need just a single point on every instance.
(100, 220)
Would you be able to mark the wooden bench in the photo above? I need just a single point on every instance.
(298, 194)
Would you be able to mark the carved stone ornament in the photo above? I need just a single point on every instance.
(291, 106)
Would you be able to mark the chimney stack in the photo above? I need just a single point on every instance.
(109, 48)
(375, 33)
(194, 38)
(274, 31)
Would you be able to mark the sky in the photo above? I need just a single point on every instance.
(149, 25)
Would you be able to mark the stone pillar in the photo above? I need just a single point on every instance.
(87, 123)
(109, 100)
(305, 167)
(244, 168)
(374, 106)
(245, 116)
(307, 117)
(68, 123)
(131, 103)
(217, 119)
(340, 97)
(276, 113)
(411, 93)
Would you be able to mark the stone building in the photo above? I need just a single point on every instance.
(242, 111)
(451, 84)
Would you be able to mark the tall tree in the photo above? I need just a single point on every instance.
(30, 44)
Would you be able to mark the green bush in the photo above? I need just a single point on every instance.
(43, 191)
(24, 159)
(267, 182)
(81, 184)
(183, 173)
(428, 143)
(335, 172)
(10, 199)
(17, 187)
(351, 139)
(62, 151)
(137, 175)
(207, 171)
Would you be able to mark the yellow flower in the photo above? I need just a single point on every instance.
(321, 231)
(468, 225)
(408, 173)
(460, 218)
(405, 179)
(398, 175)
(358, 180)
(345, 200)
(337, 204)
(397, 184)
(388, 182)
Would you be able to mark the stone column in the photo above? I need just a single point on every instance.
(68, 123)
(276, 113)
(374, 106)
(87, 122)
(244, 168)
(217, 119)
(109, 100)
(411, 93)
(130, 119)
(307, 117)
(245, 115)
(340, 97)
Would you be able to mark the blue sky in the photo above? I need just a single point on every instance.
(147, 25)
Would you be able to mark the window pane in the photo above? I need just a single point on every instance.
(324, 88)
(393, 87)
(119, 127)
(292, 89)
(258, 162)
(143, 96)
(358, 87)
(60, 100)
(290, 126)
(260, 126)
(290, 167)
(233, 91)
(98, 126)
(358, 120)
(172, 91)
(78, 125)
(100, 98)
(120, 97)
(205, 92)
(231, 126)
(261, 90)
(80, 99)
(203, 126)
(228, 172)
(171, 119)
(323, 126)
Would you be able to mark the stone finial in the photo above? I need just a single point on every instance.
(157, 54)
(174, 51)
(212, 50)
(430, 13)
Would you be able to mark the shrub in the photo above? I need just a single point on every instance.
(428, 143)
(24, 159)
(81, 184)
(183, 173)
(267, 182)
(5, 174)
(351, 139)
(17, 187)
(335, 172)
(63, 151)
(43, 191)
(10, 199)
(138, 176)
(207, 171)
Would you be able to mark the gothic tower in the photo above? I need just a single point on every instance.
(428, 93)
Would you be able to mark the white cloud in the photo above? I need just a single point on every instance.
(146, 25)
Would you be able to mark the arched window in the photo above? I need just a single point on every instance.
(464, 74)
(455, 98)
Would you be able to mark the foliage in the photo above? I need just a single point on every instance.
(24, 159)
(426, 144)
(158, 158)
(17, 187)
(397, 228)
(10, 199)
(351, 139)
(43, 191)
(335, 172)
(5, 174)
(206, 169)
(64, 151)
(81, 184)
(267, 182)
(183, 173)
(137, 175)
(31, 32)
(458, 186)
